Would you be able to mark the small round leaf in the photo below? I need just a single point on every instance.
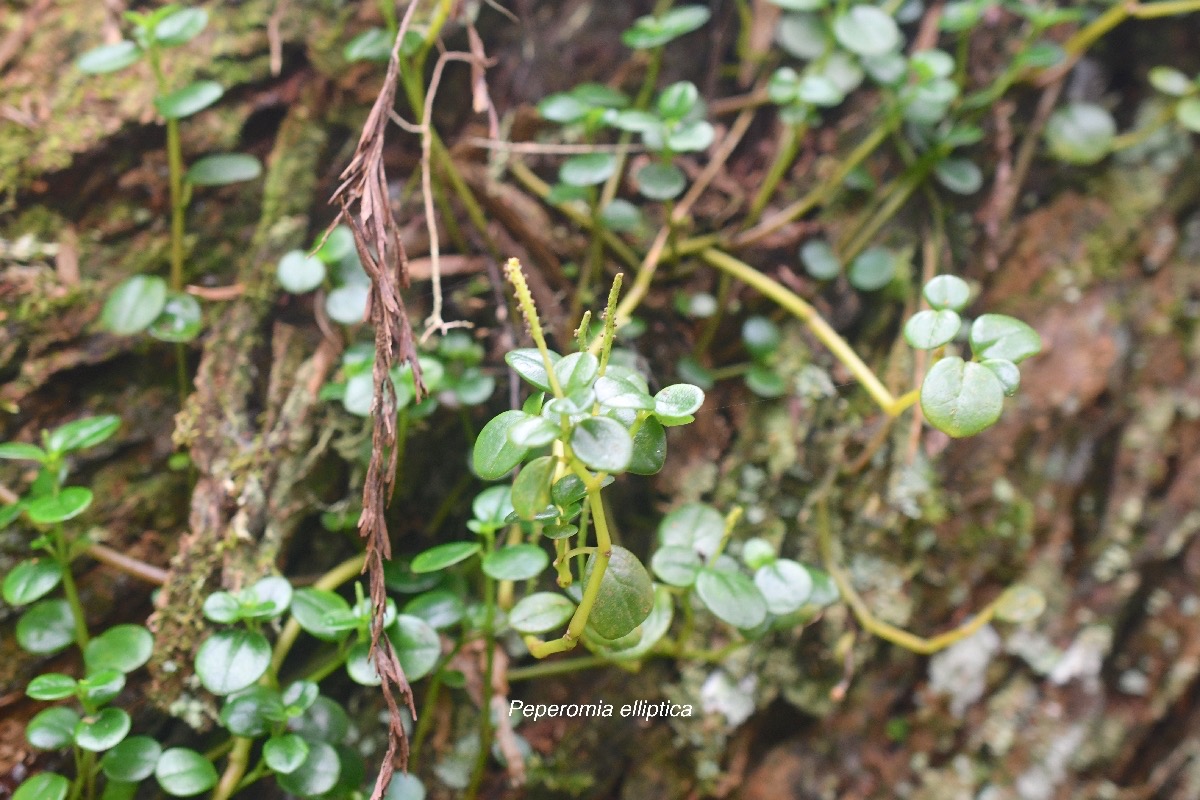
(540, 612)
(191, 99)
(285, 753)
(417, 645)
(587, 169)
(67, 504)
(51, 686)
(874, 267)
(602, 444)
(443, 555)
(1187, 113)
(531, 489)
(867, 30)
(947, 292)
(959, 175)
(311, 607)
(494, 453)
(46, 627)
(961, 398)
(347, 304)
(134, 304)
(441, 608)
(316, 775)
(1081, 133)
(676, 566)
(181, 27)
(102, 731)
(43, 786)
(121, 647)
(132, 760)
(184, 773)
(731, 597)
(1007, 372)
(299, 273)
(31, 580)
(661, 181)
(784, 584)
(52, 729)
(675, 404)
(696, 526)
(649, 448)
(929, 329)
(222, 169)
(1001, 336)
(626, 595)
(232, 660)
(179, 321)
(517, 562)
(819, 260)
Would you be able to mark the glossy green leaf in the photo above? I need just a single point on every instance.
(121, 647)
(417, 645)
(1187, 113)
(191, 99)
(819, 260)
(867, 30)
(1081, 133)
(284, 754)
(602, 444)
(648, 32)
(873, 268)
(675, 404)
(444, 555)
(803, 35)
(516, 562)
(533, 432)
(43, 786)
(1007, 372)
(52, 728)
(324, 721)
(652, 629)
(134, 304)
(299, 696)
(222, 607)
(696, 526)
(527, 362)
(1000, 336)
(181, 26)
(82, 433)
(51, 686)
(495, 454)
(649, 448)
(361, 667)
(563, 108)
(441, 608)
(760, 336)
(540, 612)
(677, 100)
(67, 504)
(184, 773)
(101, 687)
(930, 64)
(531, 489)
(661, 181)
(693, 136)
(757, 553)
(222, 169)
(373, 44)
(587, 169)
(20, 451)
(180, 319)
(731, 597)
(676, 566)
(109, 58)
(576, 371)
(46, 627)
(101, 731)
(626, 595)
(1171, 81)
(132, 760)
(229, 661)
(267, 598)
(784, 585)
(31, 580)
(961, 398)
(947, 292)
(493, 505)
(929, 329)
(316, 775)
(251, 712)
(824, 589)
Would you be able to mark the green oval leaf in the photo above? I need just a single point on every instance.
(531, 489)
(132, 760)
(675, 404)
(82, 433)
(495, 454)
(67, 504)
(533, 432)
(52, 729)
(1020, 603)
(181, 27)
(347, 304)
(191, 99)
(299, 273)
(696, 526)
(602, 444)
(540, 612)
(101, 687)
(652, 629)
(316, 775)
(576, 371)
(311, 607)
(819, 260)
(517, 562)
(361, 667)
(947, 292)
(648, 32)
(444, 555)
(180, 319)
(46, 627)
(867, 30)
(251, 713)
(527, 362)
(121, 647)
(43, 786)
(731, 597)
(267, 598)
(587, 169)
(405, 786)
(99, 732)
(184, 773)
(1170, 81)
(961, 398)
(873, 269)
(1081, 133)
(1187, 113)
(784, 584)
(31, 580)
(626, 595)
(661, 181)
(232, 660)
(417, 645)
(108, 58)
(761, 337)
(803, 35)
(51, 686)
(649, 448)
(222, 169)
(441, 608)
(1007, 372)
(1001, 336)
(959, 175)
(21, 451)
(285, 753)
(676, 566)
(929, 329)
(134, 304)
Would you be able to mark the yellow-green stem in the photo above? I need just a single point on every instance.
(785, 154)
